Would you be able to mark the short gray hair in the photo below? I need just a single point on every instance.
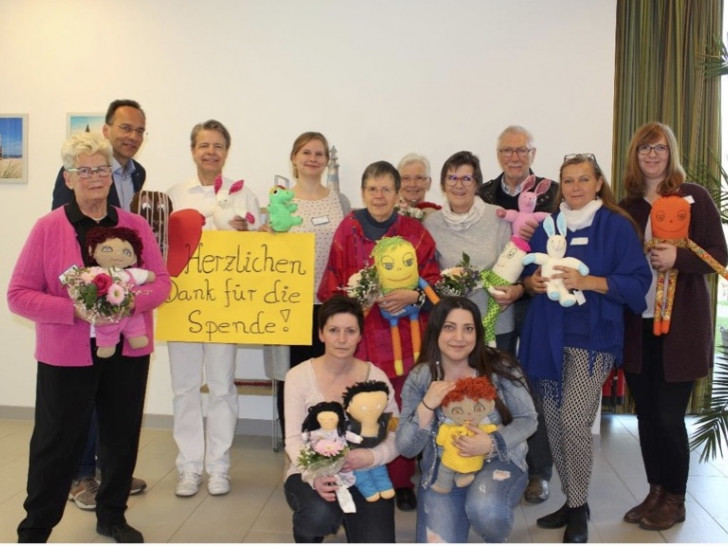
(414, 158)
(517, 129)
(85, 144)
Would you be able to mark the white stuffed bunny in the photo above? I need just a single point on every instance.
(228, 206)
(556, 249)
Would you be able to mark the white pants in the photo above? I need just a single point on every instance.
(188, 361)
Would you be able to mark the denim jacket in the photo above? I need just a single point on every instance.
(510, 440)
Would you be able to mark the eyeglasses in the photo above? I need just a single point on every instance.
(466, 180)
(128, 129)
(582, 157)
(417, 179)
(520, 152)
(86, 172)
(645, 149)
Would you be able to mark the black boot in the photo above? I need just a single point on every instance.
(555, 519)
(577, 527)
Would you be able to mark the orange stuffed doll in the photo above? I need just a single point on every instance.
(670, 221)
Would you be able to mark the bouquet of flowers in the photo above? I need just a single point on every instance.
(461, 280)
(102, 292)
(405, 209)
(322, 456)
(363, 286)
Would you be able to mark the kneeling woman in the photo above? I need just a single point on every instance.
(454, 348)
(316, 511)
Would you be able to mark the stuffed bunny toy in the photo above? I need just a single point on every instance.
(228, 206)
(506, 271)
(555, 252)
(526, 205)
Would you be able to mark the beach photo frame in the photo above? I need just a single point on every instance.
(14, 148)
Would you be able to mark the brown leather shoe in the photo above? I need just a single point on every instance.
(537, 490)
(668, 512)
(635, 514)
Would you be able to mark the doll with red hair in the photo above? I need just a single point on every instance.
(470, 402)
(118, 249)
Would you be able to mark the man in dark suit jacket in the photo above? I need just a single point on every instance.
(124, 127)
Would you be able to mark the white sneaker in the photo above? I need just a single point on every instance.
(188, 484)
(218, 483)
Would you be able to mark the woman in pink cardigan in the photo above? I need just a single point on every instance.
(71, 379)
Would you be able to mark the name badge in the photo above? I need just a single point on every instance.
(580, 299)
(689, 199)
(579, 241)
(320, 220)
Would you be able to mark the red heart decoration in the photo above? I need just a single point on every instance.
(185, 231)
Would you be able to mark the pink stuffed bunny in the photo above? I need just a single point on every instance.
(526, 206)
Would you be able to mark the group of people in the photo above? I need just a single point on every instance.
(547, 366)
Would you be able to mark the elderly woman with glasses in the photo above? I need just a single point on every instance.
(72, 380)
(351, 249)
(661, 370)
(415, 172)
(468, 225)
(568, 351)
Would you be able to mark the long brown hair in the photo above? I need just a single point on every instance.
(634, 183)
(486, 361)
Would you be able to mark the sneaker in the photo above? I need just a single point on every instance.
(188, 484)
(83, 493)
(137, 486)
(218, 483)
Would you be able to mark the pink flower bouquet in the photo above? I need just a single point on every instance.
(102, 292)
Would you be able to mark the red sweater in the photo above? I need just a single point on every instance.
(350, 252)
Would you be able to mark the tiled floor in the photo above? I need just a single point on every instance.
(256, 510)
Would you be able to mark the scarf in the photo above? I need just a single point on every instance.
(582, 218)
(461, 222)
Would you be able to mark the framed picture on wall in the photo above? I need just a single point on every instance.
(81, 122)
(14, 148)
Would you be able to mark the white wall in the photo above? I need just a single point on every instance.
(379, 78)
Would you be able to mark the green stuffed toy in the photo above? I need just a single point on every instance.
(281, 209)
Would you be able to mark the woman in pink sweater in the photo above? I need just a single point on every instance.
(71, 379)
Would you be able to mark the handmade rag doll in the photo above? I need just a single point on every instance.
(555, 252)
(506, 271)
(365, 403)
(526, 206)
(325, 437)
(281, 209)
(670, 222)
(118, 249)
(471, 401)
(395, 259)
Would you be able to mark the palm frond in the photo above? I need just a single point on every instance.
(714, 178)
(715, 63)
(711, 428)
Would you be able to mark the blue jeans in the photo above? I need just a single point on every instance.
(487, 505)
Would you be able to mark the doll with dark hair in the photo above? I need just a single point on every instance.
(365, 402)
(118, 249)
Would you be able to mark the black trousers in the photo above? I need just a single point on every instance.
(314, 518)
(539, 459)
(65, 399)
(661, 408)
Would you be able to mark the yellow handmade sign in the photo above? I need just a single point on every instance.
(254, 288)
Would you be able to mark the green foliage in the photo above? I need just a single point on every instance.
(711, 428)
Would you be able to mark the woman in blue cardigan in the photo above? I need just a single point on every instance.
(568, 352)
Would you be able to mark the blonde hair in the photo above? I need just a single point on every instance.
(84, 144)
